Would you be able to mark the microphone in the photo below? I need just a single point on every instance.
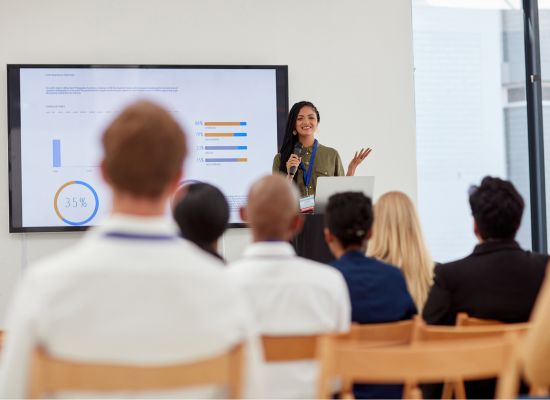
(298, 151)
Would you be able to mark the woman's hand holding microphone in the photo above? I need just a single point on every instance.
(292, 165)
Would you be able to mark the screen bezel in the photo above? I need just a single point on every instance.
(14, 128)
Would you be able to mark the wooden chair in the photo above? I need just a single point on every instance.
(430, 333)
(381, 335)
(289, 348)
(425, 332)
(384, 334)
(50, 375)
(463, 319)
(295, 348)
(425, 362)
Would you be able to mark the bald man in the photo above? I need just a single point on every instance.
(289, 295)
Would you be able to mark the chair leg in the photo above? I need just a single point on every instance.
(416, 393)
(459, 389)
(447, 392)
(408, 389)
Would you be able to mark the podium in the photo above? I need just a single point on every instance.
(310, 242)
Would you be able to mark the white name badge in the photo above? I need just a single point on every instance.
(307, 204)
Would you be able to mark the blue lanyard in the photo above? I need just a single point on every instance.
(307, 176)
(138, 236)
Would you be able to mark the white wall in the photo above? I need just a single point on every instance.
(352, 58)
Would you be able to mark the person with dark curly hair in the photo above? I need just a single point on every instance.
(499, 280)
(378, 291)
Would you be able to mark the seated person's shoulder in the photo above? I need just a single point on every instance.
(314, 266)
(538, 258)
(384, 266)
(295, 271)
(322, 276)
(314, 272)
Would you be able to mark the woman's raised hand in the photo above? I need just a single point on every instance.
(357, 159)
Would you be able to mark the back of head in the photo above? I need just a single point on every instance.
(397, 239)
(144, 148)
(497, 208)
(348, 216)
(202, 214)
(271, 209)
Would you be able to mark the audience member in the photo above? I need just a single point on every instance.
(290, 295)
(397, 239)
(131, 291)
(202, 215)
(378, 290)
(498, 280)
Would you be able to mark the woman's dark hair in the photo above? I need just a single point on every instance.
(349, 217)
(497, 208)
(202, 215)
(290, 140)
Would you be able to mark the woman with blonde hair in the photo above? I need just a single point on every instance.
(397, 239)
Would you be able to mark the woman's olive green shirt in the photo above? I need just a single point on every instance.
(327, 163)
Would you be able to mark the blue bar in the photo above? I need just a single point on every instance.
(224, 160)
(56, 148)
(243, 123)
(225, 147)
(239, 134)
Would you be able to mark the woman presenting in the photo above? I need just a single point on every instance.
(316, 160)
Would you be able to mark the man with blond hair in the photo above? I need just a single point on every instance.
(131, 292)
(289, 295)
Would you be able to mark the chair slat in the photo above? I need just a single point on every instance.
(50, 375)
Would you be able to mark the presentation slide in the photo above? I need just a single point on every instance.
(229, 115)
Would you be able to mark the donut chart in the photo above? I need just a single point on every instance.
(76, 203)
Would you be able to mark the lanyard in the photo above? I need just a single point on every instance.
(137, 236)
(307, 176)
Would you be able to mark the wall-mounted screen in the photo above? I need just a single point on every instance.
(233, 116)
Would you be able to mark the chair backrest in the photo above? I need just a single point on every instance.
(425, 332)
(289, 348)
(390, 333)
(426, 362)
(50, 375)
(463, 319)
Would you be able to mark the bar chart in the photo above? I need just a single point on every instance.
(56, 150)
(230, 134)
(66, 156)
(221, 142)
(240, 123)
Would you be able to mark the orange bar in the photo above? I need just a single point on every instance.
(222, 124)
(242, 159)
(218, 134)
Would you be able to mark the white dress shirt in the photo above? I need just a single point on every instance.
(291, 295)
(131, 292)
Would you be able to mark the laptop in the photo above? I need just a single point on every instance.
(329, 185)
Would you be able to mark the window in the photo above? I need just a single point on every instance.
(471, 114)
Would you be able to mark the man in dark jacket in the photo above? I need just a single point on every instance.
(498, 280)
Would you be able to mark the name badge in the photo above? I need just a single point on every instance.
(307, 204)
